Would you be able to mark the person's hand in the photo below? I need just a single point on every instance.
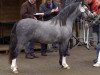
(53, 10)
(42, 14)
(56, 10)
(94, 14)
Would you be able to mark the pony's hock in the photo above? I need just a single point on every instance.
(58, 29)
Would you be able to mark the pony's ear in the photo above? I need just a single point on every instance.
(81, 3)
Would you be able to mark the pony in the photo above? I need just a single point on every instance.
(84, 23)
(58, 29)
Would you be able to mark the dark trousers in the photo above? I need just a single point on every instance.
(43, 48)
(30, 48)
(55, 45)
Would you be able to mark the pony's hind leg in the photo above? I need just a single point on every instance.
(62, 53)
(13, 61)
(13, 53)
(19, 47)
(14, 66)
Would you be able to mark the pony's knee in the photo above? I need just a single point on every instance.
(64, 54)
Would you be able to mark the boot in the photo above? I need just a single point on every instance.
(43, 54)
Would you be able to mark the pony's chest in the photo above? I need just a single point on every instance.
(66, 30)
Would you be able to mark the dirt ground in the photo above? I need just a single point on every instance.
(80, 62)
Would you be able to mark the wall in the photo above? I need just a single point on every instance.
(9, 10)
(10, 13)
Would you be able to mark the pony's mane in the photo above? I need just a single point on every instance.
(65, 13)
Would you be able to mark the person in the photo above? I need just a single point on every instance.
(28, 9)
(98, 3)
(93, 7)
(58, 2)
(97, 60)
(97, 30)
(50, 9)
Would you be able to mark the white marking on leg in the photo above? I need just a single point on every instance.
(14, 66)
(64, 64)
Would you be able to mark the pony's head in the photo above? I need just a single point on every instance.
(85, 11)
(72, 11)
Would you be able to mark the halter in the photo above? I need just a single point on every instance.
(86, 10)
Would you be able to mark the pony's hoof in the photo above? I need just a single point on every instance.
(66, 67)
(16, 71)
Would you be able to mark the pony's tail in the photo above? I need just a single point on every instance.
(13, 43)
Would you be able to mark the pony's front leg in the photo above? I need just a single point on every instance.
(14, 66)
(64, 63)
(62, 52)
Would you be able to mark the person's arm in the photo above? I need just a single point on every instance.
(42, 9)
(49, 12)
(95, 7)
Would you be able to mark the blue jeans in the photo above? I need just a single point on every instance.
(96, 29)
(98, 44)
(97, 50)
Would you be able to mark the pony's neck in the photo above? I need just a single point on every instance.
(66, 13)
(71, 18)
(74, 15)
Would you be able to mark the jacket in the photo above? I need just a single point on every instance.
(28, 10)
(93, 6)
(44, 8)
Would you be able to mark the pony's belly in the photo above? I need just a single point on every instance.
(45, 38)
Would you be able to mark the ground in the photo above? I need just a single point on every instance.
(80, 62)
